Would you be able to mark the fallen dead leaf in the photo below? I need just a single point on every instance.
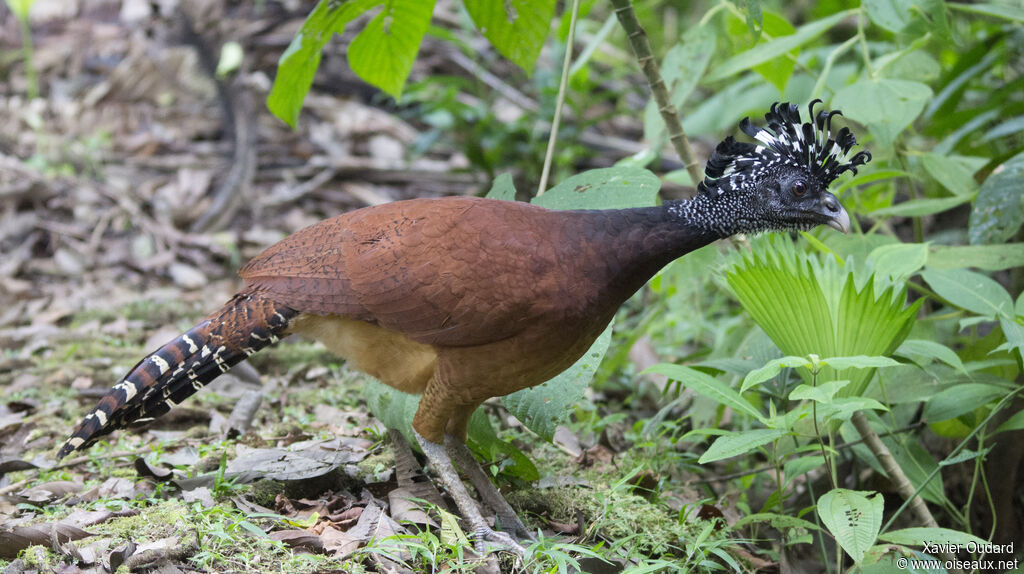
(51, 491)
(403, 507)
(300, 539)
(14, 539)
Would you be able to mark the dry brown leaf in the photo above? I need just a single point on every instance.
(14, 539)
(338, 543)
(300, 539)
(51, 491)
(201, 495)
(403, 508)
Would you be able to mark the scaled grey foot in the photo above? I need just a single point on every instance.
(507, 517)
(485, 536)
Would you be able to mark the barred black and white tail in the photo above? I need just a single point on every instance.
(178, 369)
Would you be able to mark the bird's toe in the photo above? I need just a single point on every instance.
(488, 540)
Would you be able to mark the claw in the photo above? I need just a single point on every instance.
(488, 540)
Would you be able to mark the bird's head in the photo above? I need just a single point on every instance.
(781, 183)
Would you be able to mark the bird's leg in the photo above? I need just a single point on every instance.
(483, 533)
(507, 517)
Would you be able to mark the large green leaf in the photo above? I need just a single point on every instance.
(912, 348)
(859, 362)
(811, 306)
(887, 106)
(1007, 11)
(999, 210)
(954, 175)
(898, 261)
(821, 393)
(737, 443)
(961, 399)
(920, 536)
(770, 370)
(544, 407)
(774, 48)
(393, 407)
(485, 441)
(923, 206)
(298, 64)
(918, 465)
(503, 188)
(986, 257)
(853, 518)
(775, 26)
(516, 28)
(898, 15)
(971, 291)
(607, 188)
(709, 387)
(383, 53)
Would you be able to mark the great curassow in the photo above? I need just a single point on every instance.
(463, 299)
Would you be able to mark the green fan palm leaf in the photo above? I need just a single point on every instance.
(811, 305)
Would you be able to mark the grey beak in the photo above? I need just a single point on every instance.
(838, 218)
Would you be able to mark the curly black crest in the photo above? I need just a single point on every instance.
(786, 141)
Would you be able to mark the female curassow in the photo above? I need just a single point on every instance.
(463, 299)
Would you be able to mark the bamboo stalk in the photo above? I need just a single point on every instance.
(642, 48)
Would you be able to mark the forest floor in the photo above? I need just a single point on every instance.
(111, 187)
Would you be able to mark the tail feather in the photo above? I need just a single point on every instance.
(178, 369)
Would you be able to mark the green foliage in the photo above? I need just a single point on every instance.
(885, 105)
(735, 444)
(999, 211)
(813, 306)
(383, 53)
(544, 407)
(772, 49)
(930, 88)
(517, 28)
(298, 64)
(609, 188)
(853, 518)
(709, 387)
(682, 68)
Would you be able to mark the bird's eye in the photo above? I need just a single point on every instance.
(799, 188)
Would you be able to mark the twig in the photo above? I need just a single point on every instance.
(88, 458)
(236, 109)
(513, 95)
(562, 85)
(12, 487)
(310, 185)
(642, 48)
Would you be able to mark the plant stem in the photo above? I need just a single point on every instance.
(549, 155)
(821, 443)
(892, 469)
(27, 52)
(642, 48)
(864, 44)
(895, 473)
